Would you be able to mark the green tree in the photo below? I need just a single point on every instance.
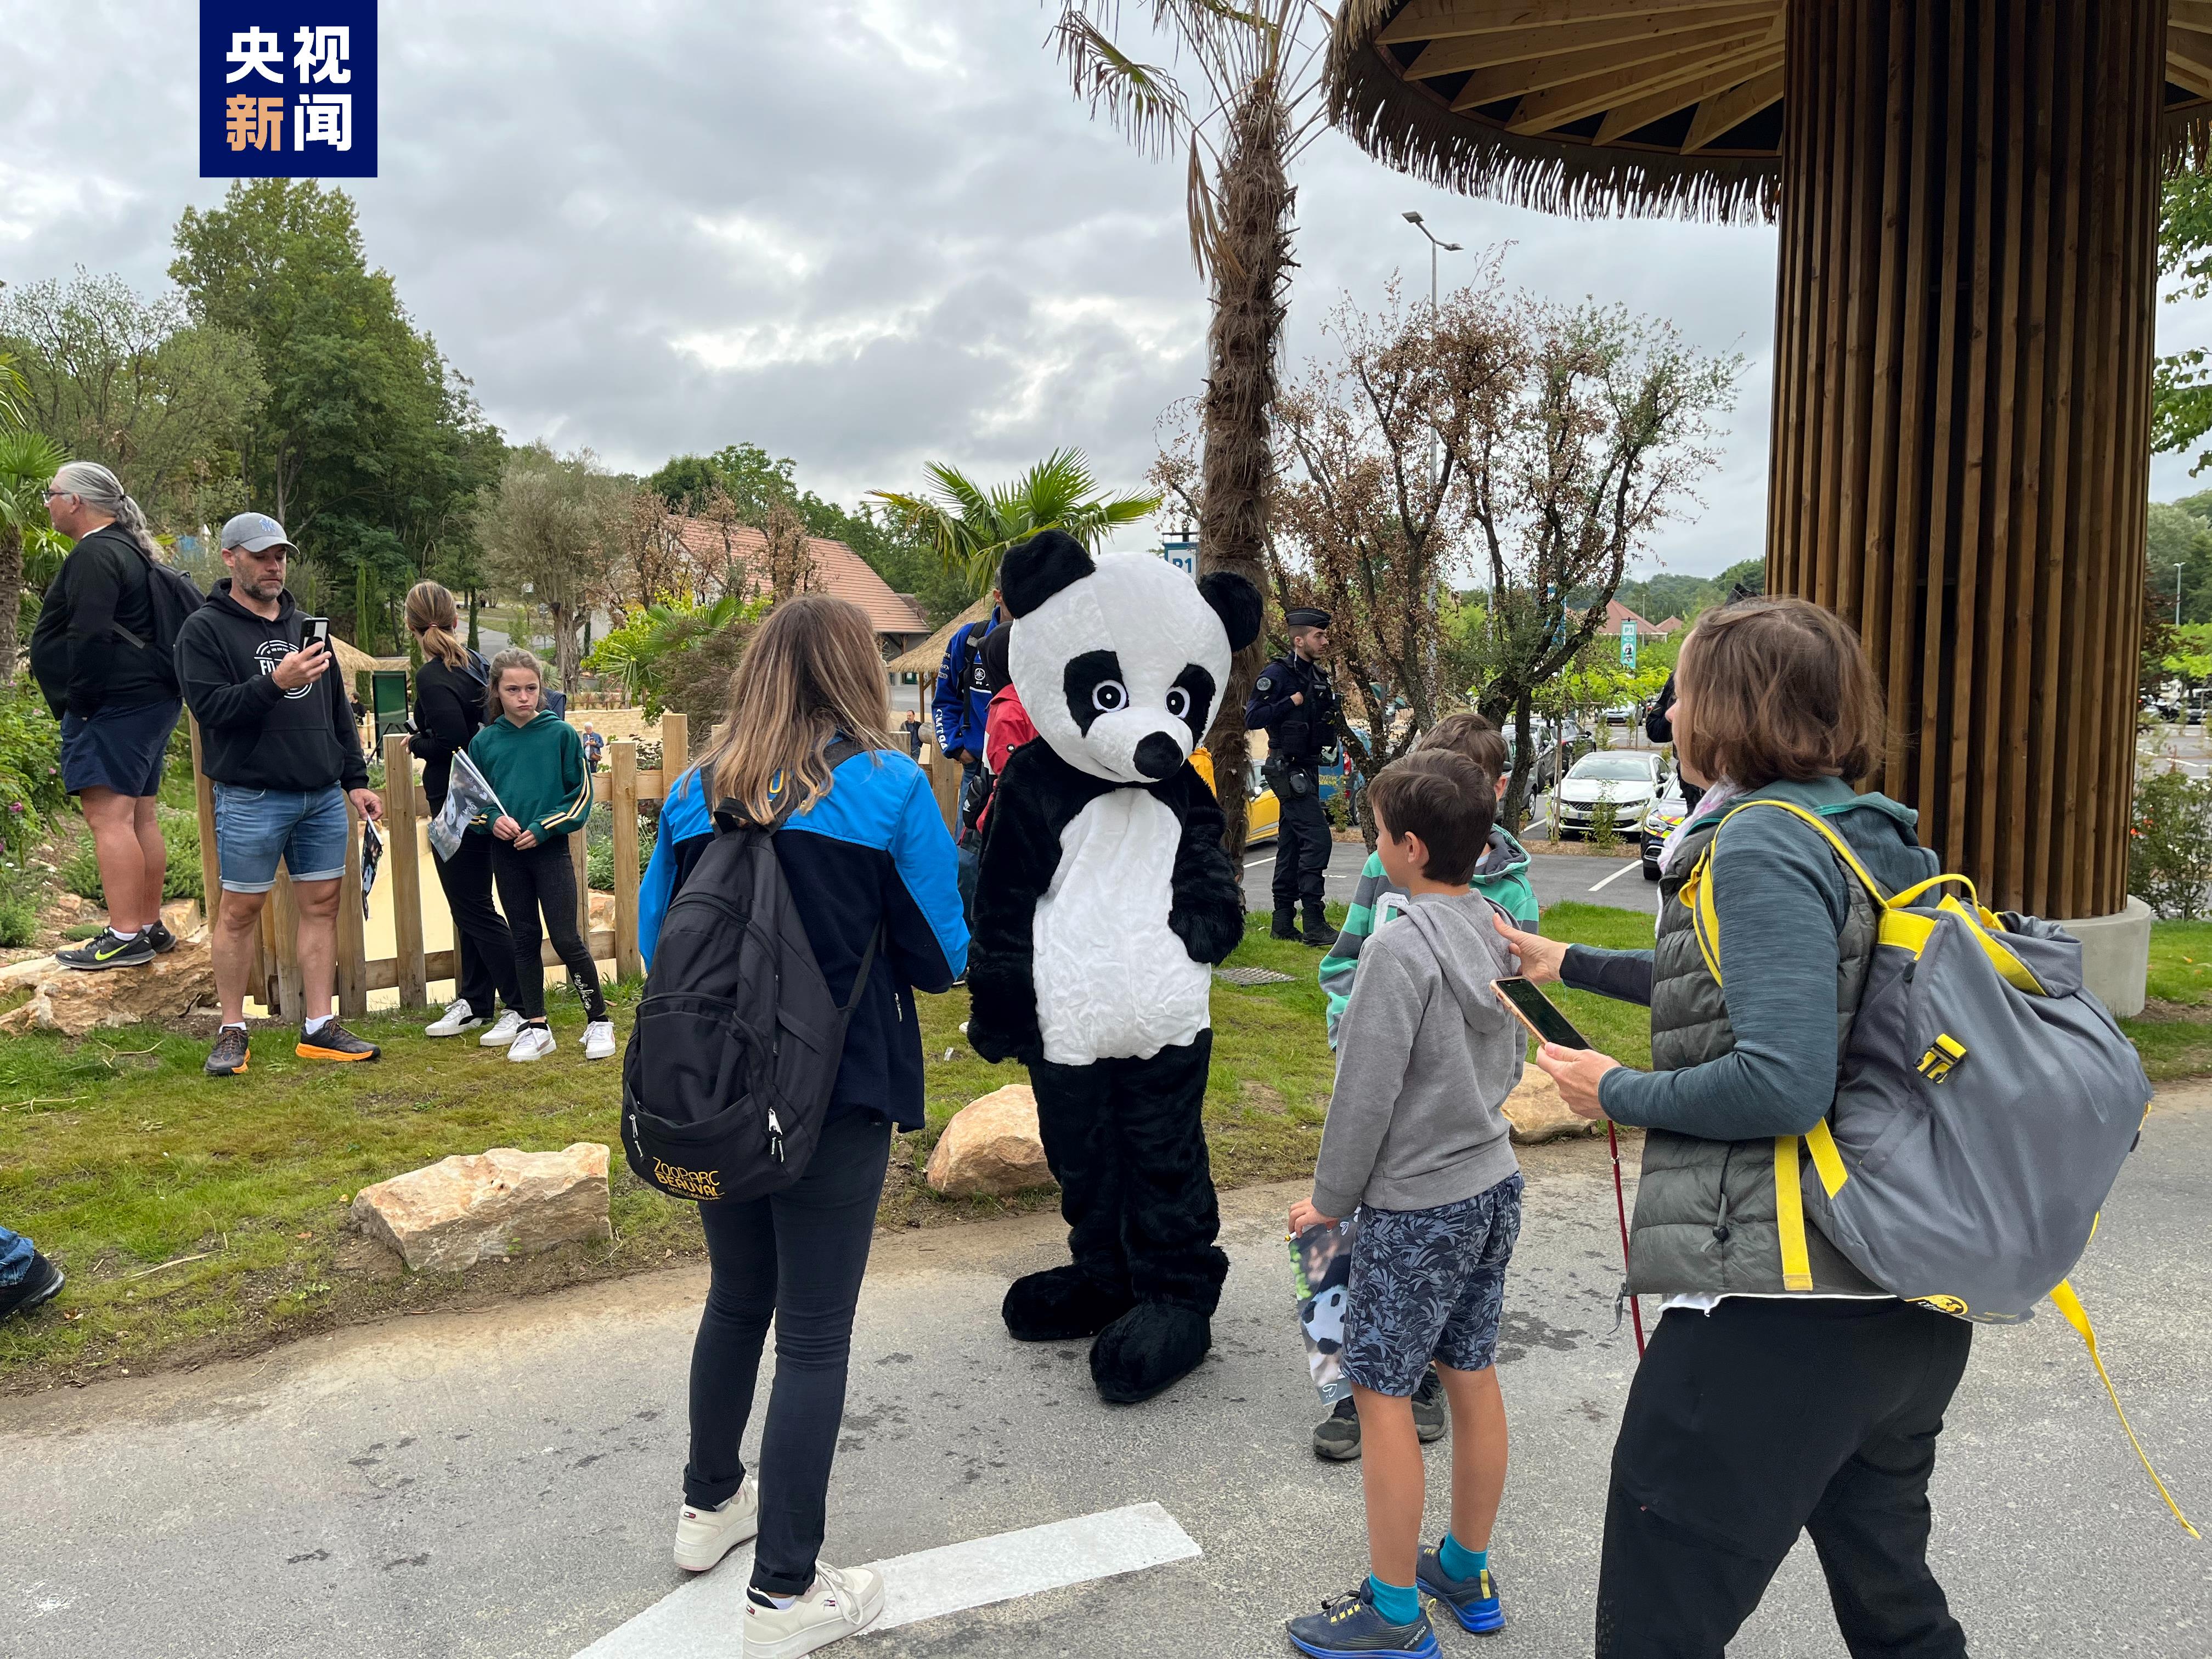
(969, 527)
(545, 533)
(2181, 384)
(2178, 547)
(28, 461)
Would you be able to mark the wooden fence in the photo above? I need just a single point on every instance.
(622, 783)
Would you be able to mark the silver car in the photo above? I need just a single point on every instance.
(1630, 778)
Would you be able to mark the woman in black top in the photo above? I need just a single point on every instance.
(449, 706)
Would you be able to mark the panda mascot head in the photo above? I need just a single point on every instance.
(1120, 660)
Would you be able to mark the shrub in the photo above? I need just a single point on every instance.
(30, 792)
(599, 847)
(1604, 831)
(2170, 844)
(80, 867)
(19, 904)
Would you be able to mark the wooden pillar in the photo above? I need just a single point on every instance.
(675, 750)
(281, 934)
(350, 981)
(402, 859)
(1961, 454)
(622, 803)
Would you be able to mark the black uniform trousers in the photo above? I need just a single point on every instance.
(1766, 1417)
(1302, 841)
(483, 950)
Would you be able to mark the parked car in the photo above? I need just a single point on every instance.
(1262, 812)
(1668, 811)
(1631, 779)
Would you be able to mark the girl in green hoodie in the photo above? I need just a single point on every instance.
(534, 762)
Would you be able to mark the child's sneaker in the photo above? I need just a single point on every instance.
(600, 1040)
(531, 1042)
(1472, 1601)
(1336, 1436)
(1430, 1418)
(1350, 1624)
(458, 1018)
(840, 1601)
(705, 1536)
(504, 1030)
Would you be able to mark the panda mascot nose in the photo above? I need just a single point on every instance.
(1159, 755)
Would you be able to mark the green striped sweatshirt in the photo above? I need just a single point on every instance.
(537, 771)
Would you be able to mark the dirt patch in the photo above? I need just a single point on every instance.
(2191, 1013)
(1629, 848)
(1259, 1097)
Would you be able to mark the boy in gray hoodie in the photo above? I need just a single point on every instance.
(1416, 1142)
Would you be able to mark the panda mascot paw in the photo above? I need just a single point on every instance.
(1102, 900)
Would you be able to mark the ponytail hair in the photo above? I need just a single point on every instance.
(432, 613)
(513, 657)
(103, 492)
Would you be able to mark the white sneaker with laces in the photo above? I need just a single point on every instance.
(705, 1536)
(531, 1042)
(600, 1040)
(503, 1031)
(458, 1018)
(841, 1602)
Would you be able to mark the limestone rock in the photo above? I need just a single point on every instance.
(1536, 1112)
(73, 1003)
(603, 910)
(992, 1145)
(461, 1211)
(181, 917)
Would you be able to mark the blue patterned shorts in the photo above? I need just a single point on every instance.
(1429, 1285)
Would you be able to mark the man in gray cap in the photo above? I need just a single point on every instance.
(279, 742)
(1293, 702)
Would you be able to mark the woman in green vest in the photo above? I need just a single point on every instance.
(1782, 1391)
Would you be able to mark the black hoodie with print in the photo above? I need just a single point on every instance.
(254, 734)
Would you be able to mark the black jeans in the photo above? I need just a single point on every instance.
(483, 950)
(798, 1254)
(1302, 839)
(1761, 1418)
(542, 879)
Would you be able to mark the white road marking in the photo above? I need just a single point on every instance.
(700, 1620)
(1617, 875)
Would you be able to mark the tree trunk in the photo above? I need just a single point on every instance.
(565, 657)
(11, 597)
(1242, 353)
(473, 645)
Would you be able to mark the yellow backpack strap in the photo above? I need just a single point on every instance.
(1790, 1216)
(2070, 1305)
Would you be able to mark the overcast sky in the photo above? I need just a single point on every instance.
(864, 233)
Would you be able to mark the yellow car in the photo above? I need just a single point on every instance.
(1261, 809)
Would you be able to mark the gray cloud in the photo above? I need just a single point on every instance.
(867, 234)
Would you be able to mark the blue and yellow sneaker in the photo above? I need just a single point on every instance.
(1350, 1624)
(1472, 1601)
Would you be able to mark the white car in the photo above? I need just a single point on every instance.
(1631, 779)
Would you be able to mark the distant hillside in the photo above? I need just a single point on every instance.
(1667, 594)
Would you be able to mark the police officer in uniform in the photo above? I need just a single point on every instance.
(1293, 702)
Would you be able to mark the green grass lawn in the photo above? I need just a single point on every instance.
(2174, 1032)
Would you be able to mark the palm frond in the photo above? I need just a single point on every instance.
(1142, 100)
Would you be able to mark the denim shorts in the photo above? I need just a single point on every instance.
(253, 827)
(118, 749)
(1429, 1285)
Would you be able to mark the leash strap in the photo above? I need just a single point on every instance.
(1620, 1209)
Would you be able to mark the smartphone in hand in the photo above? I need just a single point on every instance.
(314, 630)
(1525, 1000)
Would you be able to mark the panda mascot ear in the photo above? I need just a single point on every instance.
(1236, 602)
(1039, 568)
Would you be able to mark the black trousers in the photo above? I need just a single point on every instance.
(1301, 842)
(543, 879)
(483, 950)
(1125, 1141)
(797, 1255)
(1756, 1420)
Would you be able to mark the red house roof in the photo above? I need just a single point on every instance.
(837, 570)
(1617, 613)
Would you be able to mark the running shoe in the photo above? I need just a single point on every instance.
(41, 1282)
(1430, 1417)
(335, 1042)
(1350, 1625)
(227, 1057)
(1336, 1436)
(158, 935)
(108, 949)
(1472, 1601)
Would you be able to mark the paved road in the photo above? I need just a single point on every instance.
(500, 1484)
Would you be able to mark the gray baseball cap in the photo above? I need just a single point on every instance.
(257, 533)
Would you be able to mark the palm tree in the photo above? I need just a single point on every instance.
(971, 527)
(1260, 105)
(28, 461)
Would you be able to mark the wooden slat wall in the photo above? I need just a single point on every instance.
(1962, 398)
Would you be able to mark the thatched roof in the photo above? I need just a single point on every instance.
(928, 657)
(352, 659)
(1645, 108)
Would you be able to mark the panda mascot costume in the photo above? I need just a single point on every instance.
(1103, 900)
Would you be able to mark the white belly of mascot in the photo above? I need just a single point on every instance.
(1112, 980)
(1102, 900)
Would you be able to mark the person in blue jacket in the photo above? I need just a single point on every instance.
(863, 846)
(959, 709)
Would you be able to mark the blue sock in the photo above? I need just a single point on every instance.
(1461, 1562)
(1396, 1602)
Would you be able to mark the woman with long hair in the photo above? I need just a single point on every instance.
(449, 708)
(864, 848)
(1762, 1409)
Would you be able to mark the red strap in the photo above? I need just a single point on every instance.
(1621, 1207)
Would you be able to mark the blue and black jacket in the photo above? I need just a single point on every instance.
(962, 699)
(873, 850)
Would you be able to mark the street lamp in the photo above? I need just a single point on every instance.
(1414, 220)
(2177, 596)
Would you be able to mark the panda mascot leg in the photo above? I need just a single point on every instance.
(1104, 898)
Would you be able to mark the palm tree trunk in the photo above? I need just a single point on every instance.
(1242, 351)
(11, 597)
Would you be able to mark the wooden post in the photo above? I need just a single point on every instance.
(945, 784)
(283, 914)
(629, 964)
(675, 750)
(403, 854)
(349, 982)
(210, 860)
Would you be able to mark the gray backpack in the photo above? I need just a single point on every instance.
(1984, 1106)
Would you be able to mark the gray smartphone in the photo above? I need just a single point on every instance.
(316, 629)
(1525, 1001)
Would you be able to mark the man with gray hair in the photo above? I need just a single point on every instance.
(96, 654)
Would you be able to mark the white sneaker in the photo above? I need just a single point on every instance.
(705, 1536)
(840, 1601)
(458, 1018)
(503, 1030)
(600, 1040)
(531, 1042)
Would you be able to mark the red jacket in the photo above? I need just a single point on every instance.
(1007, 727)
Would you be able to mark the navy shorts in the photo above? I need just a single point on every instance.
(118, 749)
(1429, 1285)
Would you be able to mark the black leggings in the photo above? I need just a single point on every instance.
(484, 949)
(799, 1255)
(1763, 1418)
(542, 879)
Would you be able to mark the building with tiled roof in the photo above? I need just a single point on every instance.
(1617, 613)
(898, 620)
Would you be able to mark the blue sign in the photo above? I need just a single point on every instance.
(1628, 643)
(287, 90)
(1182, 555)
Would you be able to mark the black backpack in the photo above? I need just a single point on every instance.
(171, 596)
(737, 1043)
